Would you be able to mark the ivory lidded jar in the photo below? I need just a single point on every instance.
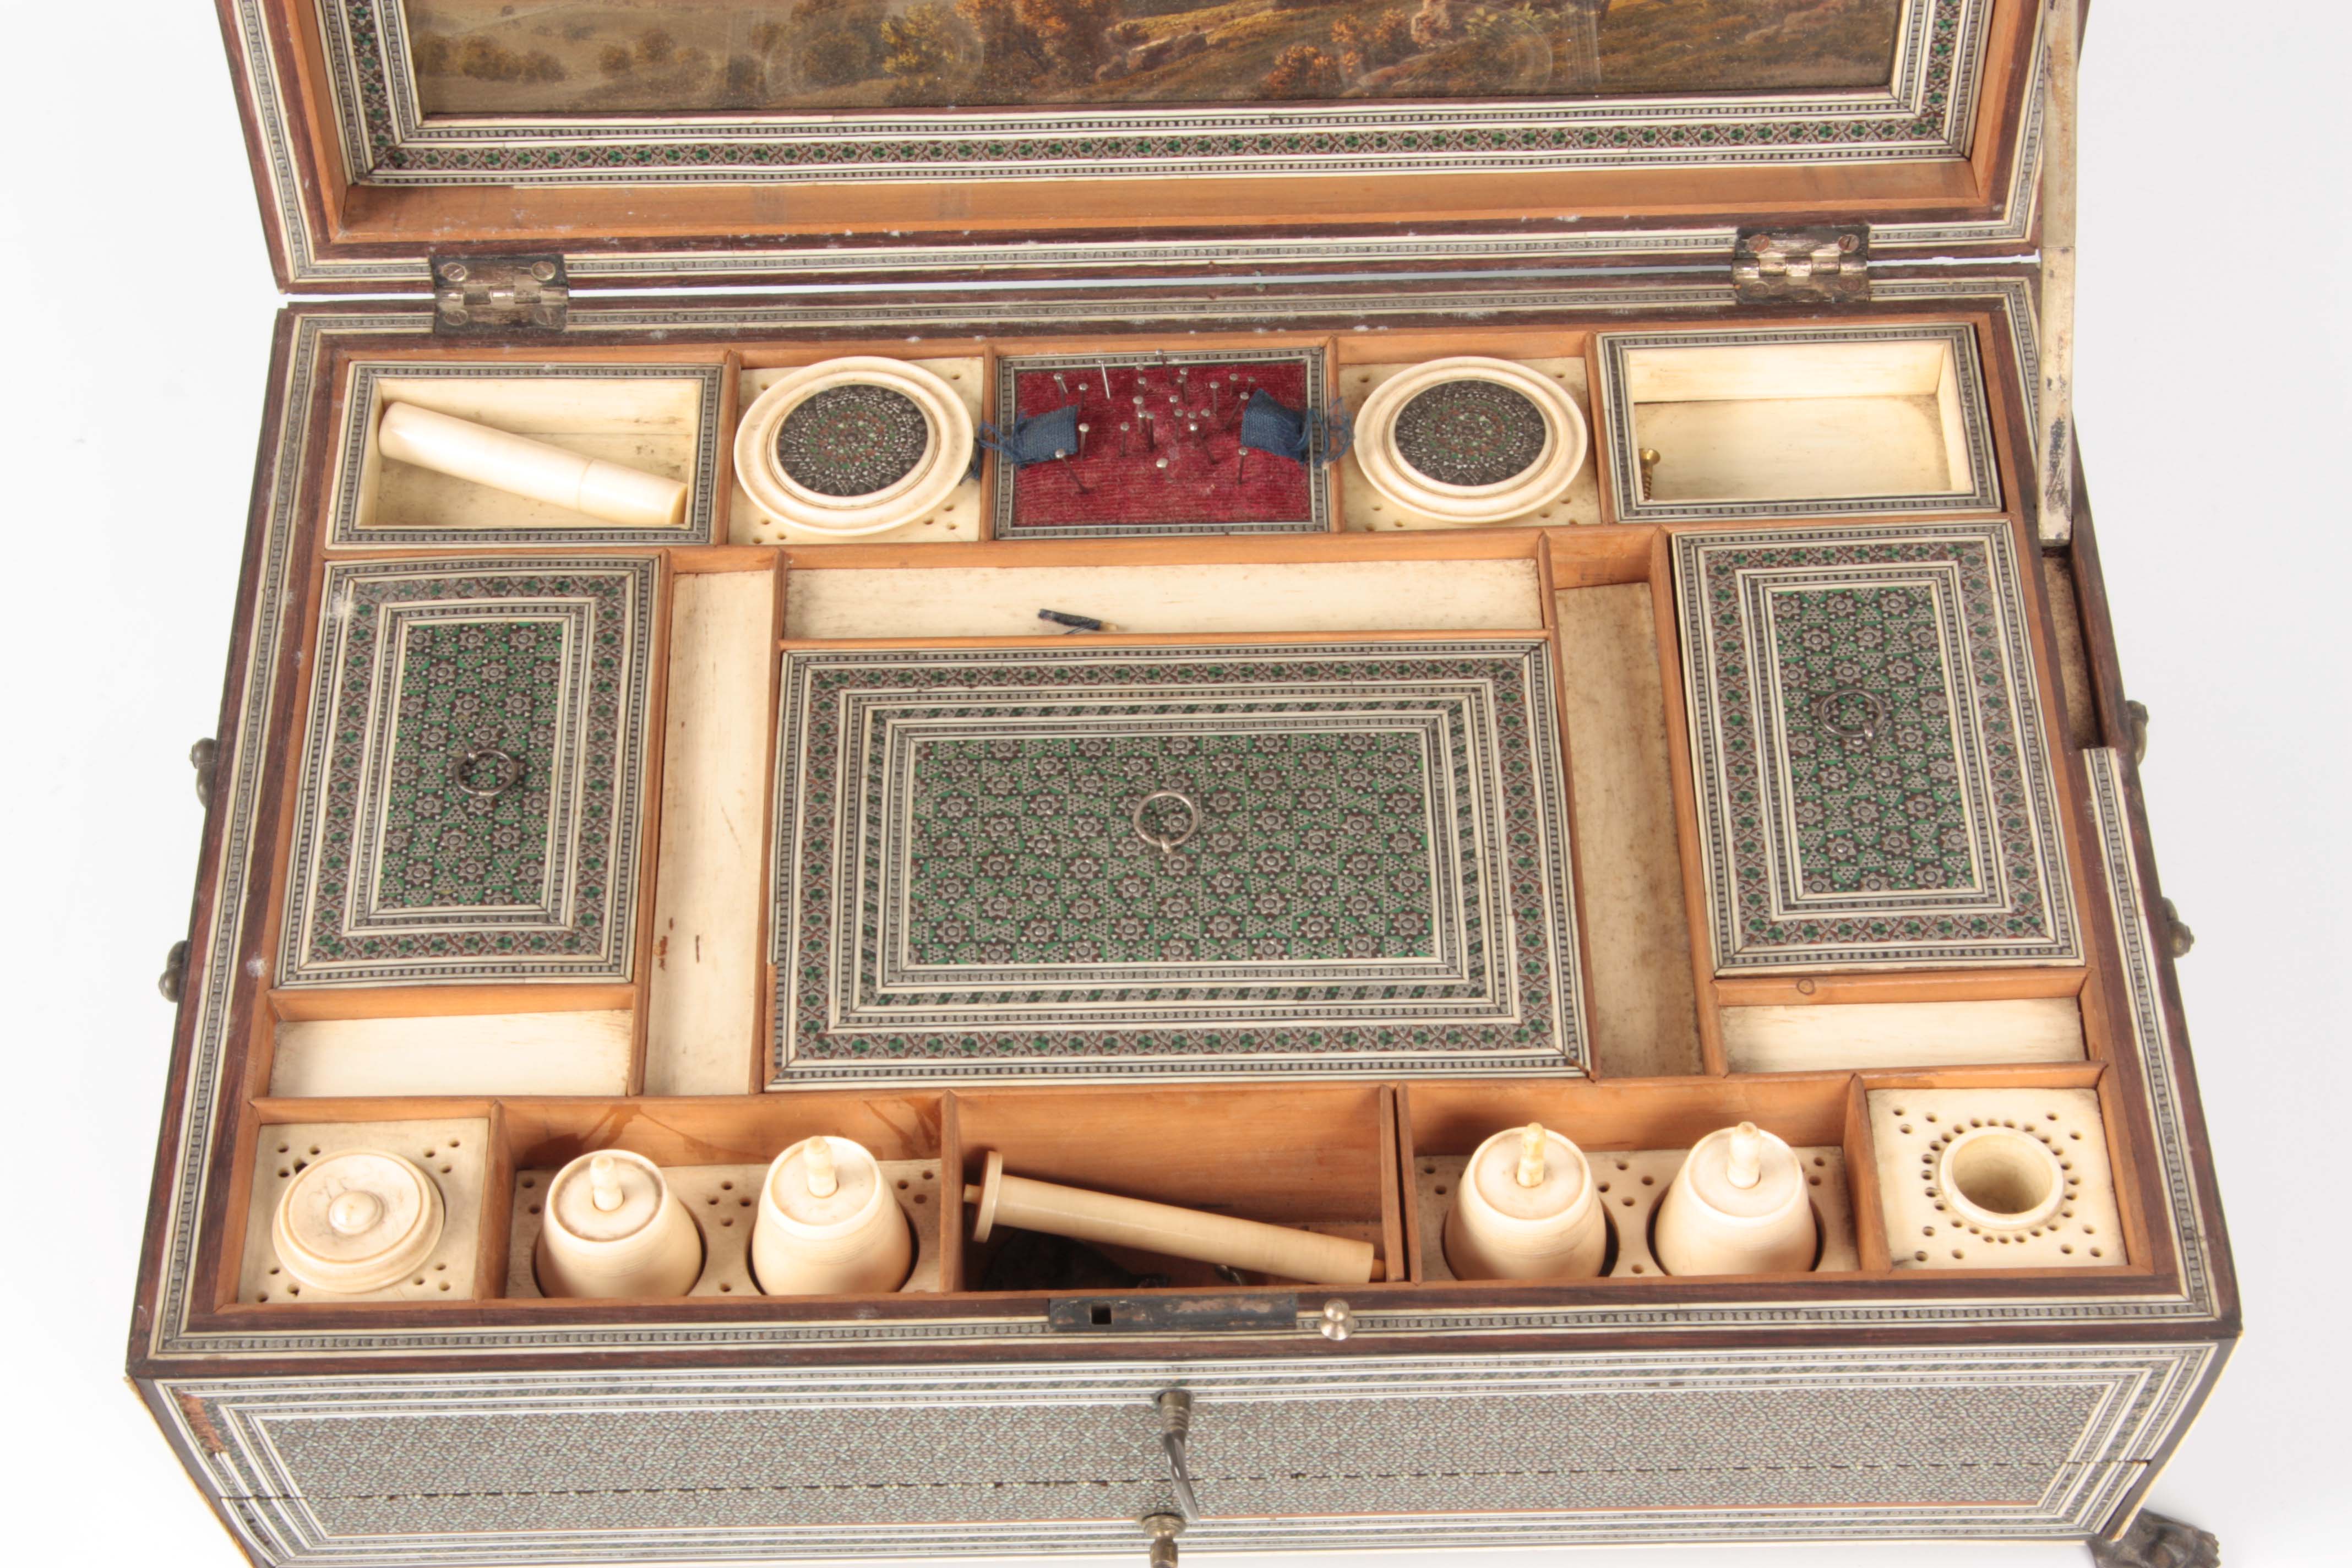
(828, 1224)
(614, 1228)
(1527, 1209)
(1737, 1205)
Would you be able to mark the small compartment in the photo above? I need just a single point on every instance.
(1814, 1037)
(1493, 445)
(954, 518)
(714, 1153)
(1156, 446)
(1802, 421)
(1634, 1138)
(449, 1156)
(1302, 1156)
(1995, 1178)
(318, 1052)
(1207, 598)
(662, 419)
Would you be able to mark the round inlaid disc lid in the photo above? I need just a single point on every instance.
(824, 1188)
(1495, 1170)
(607, 1196)
(357, 1221)
(1746, 1173)
(1471, 432)
(853, 440)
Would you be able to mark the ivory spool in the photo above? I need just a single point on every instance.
(828, 1225)
(1506, 1227)
(611, 1227)
(1302, 1255)
(357, 1221)
(611, 492)
(1737, 1205)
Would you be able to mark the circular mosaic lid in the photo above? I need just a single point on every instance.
(853, 440)
(1471, 432)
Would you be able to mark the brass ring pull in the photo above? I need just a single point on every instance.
(504, 767)
(1833, 710)
(1166, 843)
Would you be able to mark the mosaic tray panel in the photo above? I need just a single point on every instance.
(401, 873)
(1377, 881)
(1873, 779)
(1204, 489)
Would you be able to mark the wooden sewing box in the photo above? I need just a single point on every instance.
(1837, 310)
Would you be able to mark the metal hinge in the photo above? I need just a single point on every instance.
(1824, 262)
(475, 294)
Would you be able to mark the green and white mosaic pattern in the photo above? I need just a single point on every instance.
(1875, 787)
(433, 676)
(1377, 879)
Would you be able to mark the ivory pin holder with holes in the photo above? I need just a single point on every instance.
(1303, 1255)
(827, 1224)
(614, 1228)
(1525, 1209)
(610, 492)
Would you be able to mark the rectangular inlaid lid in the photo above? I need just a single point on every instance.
(1873, 775)
(723, 141)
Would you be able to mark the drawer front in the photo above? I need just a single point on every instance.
(470, 805)
(996, 1460)
(1873, 776)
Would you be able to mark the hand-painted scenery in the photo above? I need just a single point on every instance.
(564, 57)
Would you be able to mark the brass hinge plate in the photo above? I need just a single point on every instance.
(1173, 1314)
(1827, 262)
(478, 294)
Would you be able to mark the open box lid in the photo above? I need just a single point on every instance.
(953, 142)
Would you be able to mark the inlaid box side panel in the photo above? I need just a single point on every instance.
(1758, 1445)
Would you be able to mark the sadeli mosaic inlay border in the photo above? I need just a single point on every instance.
(355, 456)
(1378, 881)
(1927, 111)
(1873, 781)
(401, 873)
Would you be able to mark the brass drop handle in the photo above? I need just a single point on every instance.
(1175, 1429)
(1163, 1528)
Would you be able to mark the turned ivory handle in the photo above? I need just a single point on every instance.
(523, 467)
(1074, 1211)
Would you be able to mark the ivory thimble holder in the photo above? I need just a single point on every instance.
(1995, 1178)
(452, 1156)
(1629, 1182)
(724, 1203)
(954, 518)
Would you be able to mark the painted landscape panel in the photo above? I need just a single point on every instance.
(638, 57)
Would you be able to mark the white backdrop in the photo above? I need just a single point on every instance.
(2212, 376)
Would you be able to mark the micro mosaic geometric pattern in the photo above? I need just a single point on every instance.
(1369, 870)
(1874, 787)
(475, 92)
(470, 796)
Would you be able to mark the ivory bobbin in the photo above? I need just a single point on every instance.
(828, 1225)
(1302, 1255)
(1525, 1209)
(520, 466)
(357, 1221)
(1737, 1205)
(613, 1228)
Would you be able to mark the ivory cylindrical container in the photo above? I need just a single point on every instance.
(828, 1224)
(2000, 1180)
(1525, 1209)
(357, 1221)
(1107, 1219)
(517, 465)
(1737, 1205)
(611, 1227)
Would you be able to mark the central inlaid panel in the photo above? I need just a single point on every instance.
(1141, 862)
